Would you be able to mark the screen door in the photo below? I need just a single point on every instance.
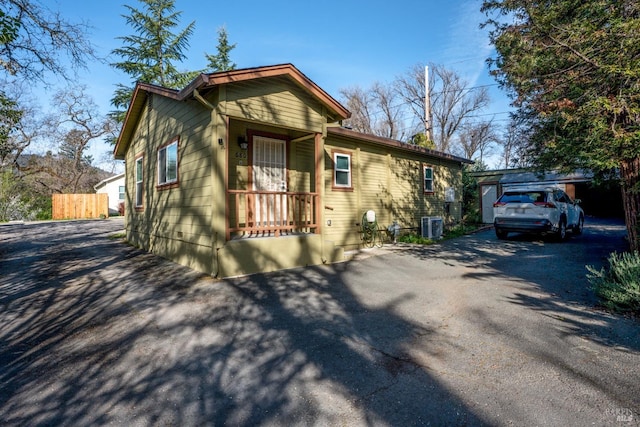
(270, 174)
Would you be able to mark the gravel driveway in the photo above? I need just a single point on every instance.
(472, 331)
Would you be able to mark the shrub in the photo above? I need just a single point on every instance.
(473, 216)
(470, 203)
(618, 286)
(459, 230)
(414, 238)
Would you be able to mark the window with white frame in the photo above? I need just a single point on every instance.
(342, 170)
(121, 192)
(139, 181)
(428, 179)
(168, 163)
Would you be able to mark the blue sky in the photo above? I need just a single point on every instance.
(336, 44)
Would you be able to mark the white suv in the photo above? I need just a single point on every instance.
(540, 210)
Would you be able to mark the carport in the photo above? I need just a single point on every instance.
(602, 200)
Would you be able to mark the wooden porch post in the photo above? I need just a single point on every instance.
(227, 231)
(319, 190)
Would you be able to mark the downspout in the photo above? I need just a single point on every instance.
(319, 141)
(319, 162)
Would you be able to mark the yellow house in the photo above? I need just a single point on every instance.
(250, 171)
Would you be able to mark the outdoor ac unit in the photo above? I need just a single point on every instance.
(432, 227)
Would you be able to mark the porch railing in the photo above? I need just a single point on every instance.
(269, 213)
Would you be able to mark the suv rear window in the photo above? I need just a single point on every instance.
(523, 197)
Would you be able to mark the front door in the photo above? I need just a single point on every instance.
(270, 174)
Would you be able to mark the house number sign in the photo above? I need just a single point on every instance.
(240, 155)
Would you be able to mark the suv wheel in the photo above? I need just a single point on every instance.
(501, 234)
(577, 229)
(561, 234)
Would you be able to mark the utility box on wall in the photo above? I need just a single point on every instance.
(450, 195)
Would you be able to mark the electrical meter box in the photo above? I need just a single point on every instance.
(450, 194)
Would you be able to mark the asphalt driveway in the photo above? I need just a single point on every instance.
(473, 331)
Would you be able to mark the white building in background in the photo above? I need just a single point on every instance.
(114, 188)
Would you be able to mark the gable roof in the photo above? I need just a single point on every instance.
(106, 181)
(206, 81)
(394, 143)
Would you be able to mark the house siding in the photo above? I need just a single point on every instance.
(389, 182)
(175, 222)
(279, 103)
(408, 200)
(301, 176)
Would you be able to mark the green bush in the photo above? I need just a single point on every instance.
(470, 203)
(618, 286)
(449, 233)
(414, 238)
(472, 216)
(459, 230)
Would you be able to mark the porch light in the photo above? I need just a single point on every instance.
(242, 142)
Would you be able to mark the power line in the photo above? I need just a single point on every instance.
(375, 113)
(491, 114)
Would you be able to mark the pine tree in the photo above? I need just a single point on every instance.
(572, 69)
(10, 115)
(221, 61)
(152, 53)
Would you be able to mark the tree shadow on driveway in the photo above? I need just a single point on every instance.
(551, 275)
(97, 332)
(529, 298)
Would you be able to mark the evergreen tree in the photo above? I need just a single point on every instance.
(152, 53)
(10, 115)
(572, 68)
(420, 139)
(222, 60)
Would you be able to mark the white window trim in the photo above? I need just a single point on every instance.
(424, 179)
(336, 170)
(139, 192)
(166, 165)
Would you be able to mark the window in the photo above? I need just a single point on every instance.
(428, 179)
(562, 197)
(121, 192)
(168, 163)
(342, 170)
(523, 197)
(139, 181)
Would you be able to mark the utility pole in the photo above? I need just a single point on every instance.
(427, 105)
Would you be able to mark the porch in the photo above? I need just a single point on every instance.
(255, 213)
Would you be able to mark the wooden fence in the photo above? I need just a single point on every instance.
(80, 206)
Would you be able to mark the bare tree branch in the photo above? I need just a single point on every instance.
(35, 39)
